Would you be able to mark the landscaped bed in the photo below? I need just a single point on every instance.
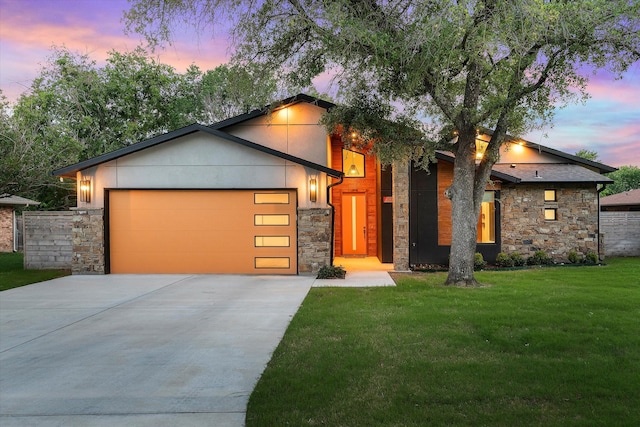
(532, 347)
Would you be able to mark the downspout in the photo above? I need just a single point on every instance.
(15, 230)
(333, 215)
(599, 190)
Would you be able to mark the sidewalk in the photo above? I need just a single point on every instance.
(357, 279)
(361, 272)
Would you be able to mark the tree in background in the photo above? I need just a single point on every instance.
(469, 65)
(76, 110)
(588, 154)
(626, 178)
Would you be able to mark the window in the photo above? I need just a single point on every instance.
(271, 198)
(550, 196)
(352, 164)
(487, 220)
(272, 241)
(550, 214)
(272, 262)
(270, 219)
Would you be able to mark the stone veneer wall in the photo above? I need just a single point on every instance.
(314, 239)
(400, 177)
(525, 230)
(6, 228)
(47, 240)
(88, 241)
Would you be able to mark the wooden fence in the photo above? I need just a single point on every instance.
(621, 233)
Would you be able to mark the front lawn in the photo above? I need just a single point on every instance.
(13, 274)
(546, 346)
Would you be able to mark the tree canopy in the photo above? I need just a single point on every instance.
(626, 178)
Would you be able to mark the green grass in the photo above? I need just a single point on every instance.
(546, 346)
(13, 275)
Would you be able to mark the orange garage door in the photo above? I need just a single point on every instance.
(202, 231)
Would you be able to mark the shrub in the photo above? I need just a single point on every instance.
(331, 272)
(504, 260)
(518, 260)
(573, 257)
(539, 258)
(591, 258)
(478, 262)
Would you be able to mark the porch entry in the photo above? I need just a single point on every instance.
(354, 224)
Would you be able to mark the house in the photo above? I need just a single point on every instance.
(620, 223)
(8, 227)
(269, 192)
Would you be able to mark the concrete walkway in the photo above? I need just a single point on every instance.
(140, 350)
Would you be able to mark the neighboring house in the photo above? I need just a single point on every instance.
(8, 229)
(620, 223)
(270, 192)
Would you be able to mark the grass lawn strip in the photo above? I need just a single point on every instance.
(535, 347)
(13, 274)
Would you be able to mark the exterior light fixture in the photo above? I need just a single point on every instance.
(353, 170)
(85, 190)
(313, 189)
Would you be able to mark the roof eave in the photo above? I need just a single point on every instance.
(70, 171)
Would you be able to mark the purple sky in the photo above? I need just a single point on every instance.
(609, 123)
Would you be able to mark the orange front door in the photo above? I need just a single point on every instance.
(354, 224)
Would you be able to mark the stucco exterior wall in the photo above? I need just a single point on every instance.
(201, 160)
(294, 130)
(6, 229)
(525, 230)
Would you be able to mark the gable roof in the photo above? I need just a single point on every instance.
(11, 200)
(301, 97)
(70, 171)
(449, 157)
(601, 167)
(631, 197)
(551, 172)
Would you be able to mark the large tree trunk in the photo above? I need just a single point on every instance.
(465, 193)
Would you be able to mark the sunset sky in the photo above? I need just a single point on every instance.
(609, 123)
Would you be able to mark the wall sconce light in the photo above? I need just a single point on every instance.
(313, 189)
(85, 190)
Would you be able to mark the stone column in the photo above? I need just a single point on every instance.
(400, 177)
(88, 241)
(314, 239)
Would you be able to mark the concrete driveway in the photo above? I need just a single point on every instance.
(140, 350)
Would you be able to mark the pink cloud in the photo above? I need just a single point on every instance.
(28, 30)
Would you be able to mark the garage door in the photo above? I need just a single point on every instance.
(202, 231)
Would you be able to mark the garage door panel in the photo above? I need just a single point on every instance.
(199, 231)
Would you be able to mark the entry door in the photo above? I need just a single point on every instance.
(354, 224)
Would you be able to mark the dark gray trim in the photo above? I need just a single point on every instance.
(494, 173)
(70, 171)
